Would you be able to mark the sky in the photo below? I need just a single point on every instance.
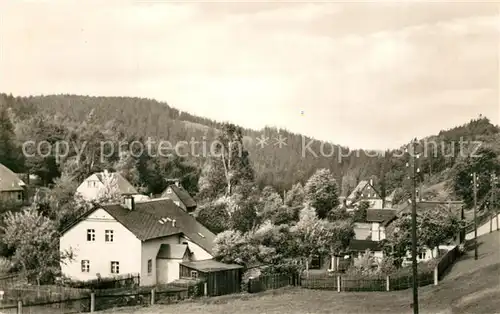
(367, 75)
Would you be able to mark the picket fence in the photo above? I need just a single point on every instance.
(57, 299)
(345, 283)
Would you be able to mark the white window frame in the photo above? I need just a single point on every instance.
(85, 266)
(91, 233)
(115, 267)
(194, 274)
(150, 266)
(109, 236)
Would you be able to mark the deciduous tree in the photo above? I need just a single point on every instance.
(321, 192)
(36, 243)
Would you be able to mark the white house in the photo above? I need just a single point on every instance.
(92, 187)
(180, 196)
(365, 191)
(12, 188)
(379, 219)
(150, 238)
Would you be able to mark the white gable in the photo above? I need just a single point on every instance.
(100, 214)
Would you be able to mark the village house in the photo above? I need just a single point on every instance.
(369, 234)
(390, 201)
(151, 238)
(92, 187)
(179, 196)
(12, 188)
(364, 191)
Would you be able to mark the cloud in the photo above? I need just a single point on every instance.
(357, 70)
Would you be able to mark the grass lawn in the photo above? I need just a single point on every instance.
(470, 287)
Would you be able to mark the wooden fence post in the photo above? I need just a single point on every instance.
(19, 307)
(92, 302)
(387, 283)
(436, 278)
(338, 283)
(153, 296)
(205, 288)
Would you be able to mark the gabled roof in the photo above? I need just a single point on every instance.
(123, 185)
(144, 222)
(182, 194)
(210, 265)
(9, 181)
(359, 188)
(363, 245)
(383, 216)
(393, 193)
(168, 251)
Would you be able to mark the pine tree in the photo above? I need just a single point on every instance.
(10, 155)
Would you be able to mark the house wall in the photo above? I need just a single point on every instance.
(376, 203)
(15, 196)
(89, 189)
(377, 255)
(362, 231)
(148, 252)
(198, 253)
(167, 270)
(378, 232)
(171, 195)
(427, 255)
(125, 248)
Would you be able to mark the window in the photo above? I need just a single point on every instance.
(85, 266)
(90, 235)
(150, 266)
(169, 190)
(108, 236)
(421, 255)
(115, 267)
(194, 274)
(19, 196)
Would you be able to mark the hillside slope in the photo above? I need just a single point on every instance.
(470, 287)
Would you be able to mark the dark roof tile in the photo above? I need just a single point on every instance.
(363, 245)
(182, 194)
(380, 215)
(144, 221)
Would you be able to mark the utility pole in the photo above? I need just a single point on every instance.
(493, 197)
(474, 182)
(413, 177)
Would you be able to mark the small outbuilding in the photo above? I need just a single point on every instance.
(220, 278)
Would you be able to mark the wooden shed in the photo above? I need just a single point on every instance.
(220, 278)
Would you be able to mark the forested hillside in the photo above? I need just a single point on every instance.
(128, 118)
(239, 194)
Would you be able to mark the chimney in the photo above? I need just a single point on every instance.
(105, 172)
(129, 202)
(371, 182)
(177, 182)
